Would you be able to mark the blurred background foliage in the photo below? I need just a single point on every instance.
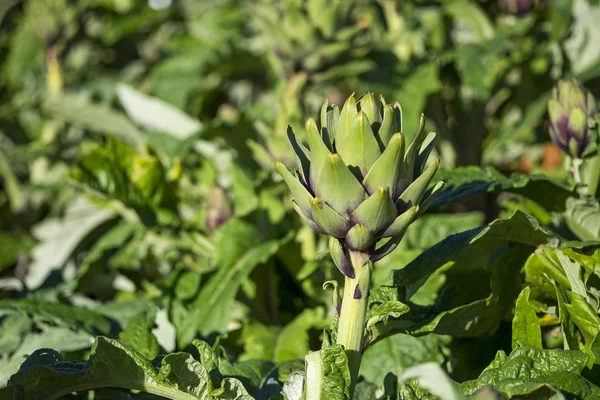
(138, 141)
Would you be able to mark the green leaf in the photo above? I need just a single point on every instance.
(250, 372)
(582, 216)
(138, 334)
(398, 352)
(494, 253)
(59, 237)
(281, 344)
(294, 387)
(434, 379)
(59, 314)
(472, 16)
(384, 311)
(45, 374)
(239, 250)
(586, 319)
(155, 114)
(422, 82)
(525, 327)
(12, 246)
(60, 338)
(527, 370)
(469, 181)
(96, 117)
(116, 171)
(245, 199)
(574, 273)
(327, 374)
(518, 228)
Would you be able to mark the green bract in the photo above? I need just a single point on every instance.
(359, 183)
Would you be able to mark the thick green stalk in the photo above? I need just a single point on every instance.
(353, 313)
(593, 176)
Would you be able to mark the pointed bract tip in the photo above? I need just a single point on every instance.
(383, 191)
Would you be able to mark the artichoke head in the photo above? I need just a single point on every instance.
(569, 108)
(358, 182)
(516, 7)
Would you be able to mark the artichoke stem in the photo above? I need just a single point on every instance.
(593, 177)
(576, 164)
(353, 313)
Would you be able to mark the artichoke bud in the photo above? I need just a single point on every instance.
(357, 181)
(569, 109)
(515, 7)
(218, 208)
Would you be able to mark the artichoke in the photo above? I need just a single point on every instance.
(218, 208)
(569, 109)
(359, 183)
(515, 7)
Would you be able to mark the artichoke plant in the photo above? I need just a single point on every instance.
(360, 184)
(569, 109)
(325, 39)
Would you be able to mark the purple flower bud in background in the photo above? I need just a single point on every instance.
(569, 109)
(515, 7)
(218, 208)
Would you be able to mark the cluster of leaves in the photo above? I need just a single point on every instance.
(147, 248)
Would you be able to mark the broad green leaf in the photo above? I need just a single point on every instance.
(12, 246)
(526, 329)
(586, 319)
(433, 378)
(327, 374)
(60, 338)
(96, 117)
(527, 370)
(430, 229)
(519, 228)
(239, 250)
(24, 56)
(582, 216)
(59, 314)
(45, 374)
(574, 274)
(117, 172)
(582, 46)
(468, 181)
(471, 15)
(138, 334)
(294, 387)
(386, 310)
(251, 372)
(491, 258)
(155, 114)
(399, 352)
(59, 237)
(245, 199)
(10, 183)
(281, 344)
(423, 81)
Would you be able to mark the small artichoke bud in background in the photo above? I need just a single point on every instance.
(515, 7)
(569, 109)
(358, 182)
(218, 208)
